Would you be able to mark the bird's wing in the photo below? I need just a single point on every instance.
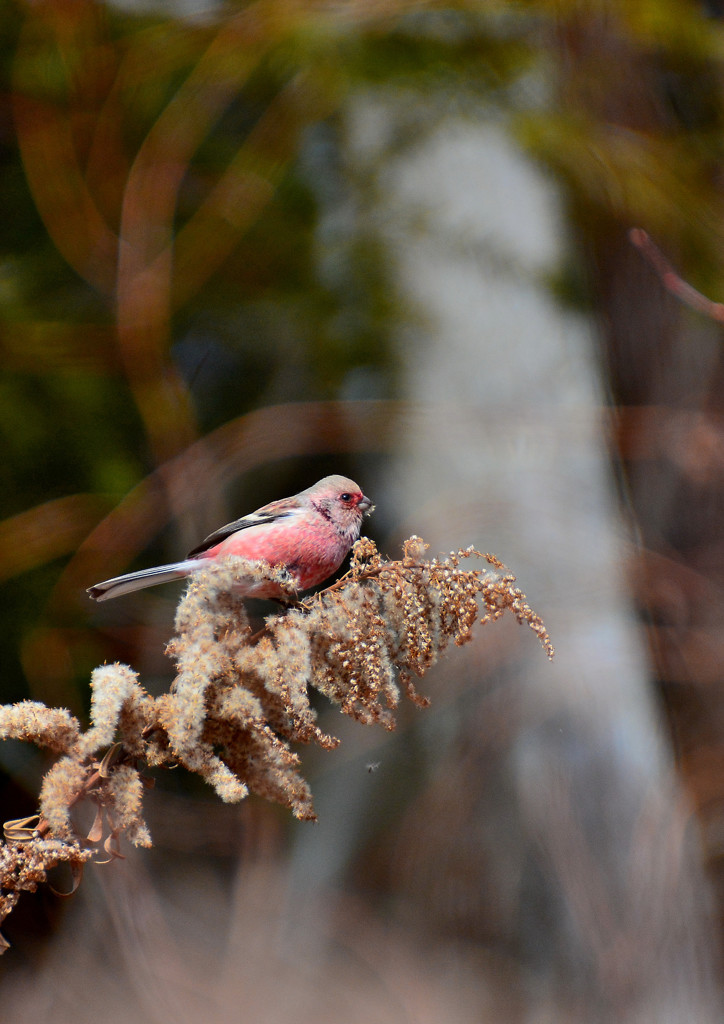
(270, 513)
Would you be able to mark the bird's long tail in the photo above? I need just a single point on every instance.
(144, 578)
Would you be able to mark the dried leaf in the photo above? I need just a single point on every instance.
(95, 833)
(76, 868)
(104, 768)
(20, 830)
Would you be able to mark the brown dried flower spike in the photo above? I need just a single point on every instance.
(239, 699)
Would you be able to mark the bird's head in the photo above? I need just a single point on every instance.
(342, 502)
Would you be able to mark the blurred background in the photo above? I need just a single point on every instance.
(248, 244)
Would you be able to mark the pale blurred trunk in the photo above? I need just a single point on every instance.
(543, 820)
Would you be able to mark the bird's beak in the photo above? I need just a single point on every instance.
(365, 504)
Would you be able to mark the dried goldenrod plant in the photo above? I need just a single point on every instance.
(240, 699)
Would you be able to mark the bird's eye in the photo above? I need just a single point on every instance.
(345, 497)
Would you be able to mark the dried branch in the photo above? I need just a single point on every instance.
(240, 699)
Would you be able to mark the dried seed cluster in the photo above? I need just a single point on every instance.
(240, 699)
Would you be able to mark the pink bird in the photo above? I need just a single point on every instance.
(309, 535)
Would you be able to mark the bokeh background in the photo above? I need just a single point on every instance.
(247, 244)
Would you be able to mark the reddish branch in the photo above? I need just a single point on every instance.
(673, 282)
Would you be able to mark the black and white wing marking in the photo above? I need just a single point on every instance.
(264, 517)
